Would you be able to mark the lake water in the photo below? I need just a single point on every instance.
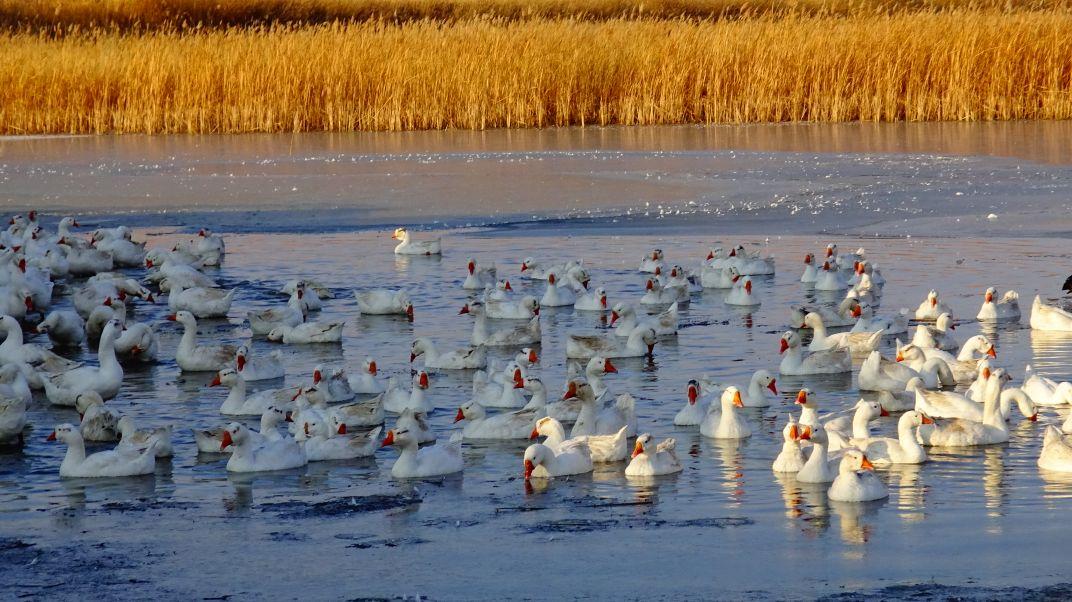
(727, 527)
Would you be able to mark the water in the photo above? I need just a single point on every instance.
(726, 527)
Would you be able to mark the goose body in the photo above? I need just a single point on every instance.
(856, 480)
(1049, 317)
(791, 458)
(366, 383)
(741, 294)
(641, 342)
(254, 368)
(407, 245)
(798, 362)
(1007, 308)
(119, 462)
(1056, 454)
(932, 307)
(542, 461)
(138, 341)
(382, 301)
(625, 320)
(105, 378)
(731, 424)
(603, 448)
(396, 399)
(238, 404)
(855, 342)
(308, 333)
(201, 302)
(478, 276)
(506, 425)
(905, 449)
(333, 442)
(422, 462)
(649, 461)
(965, 432)
(1045, 391)
(470, 358)
(130, 436)
(265, 454)
(64, 328)
(940, 336)
(511, 336)
(593, 420)
(194, 357)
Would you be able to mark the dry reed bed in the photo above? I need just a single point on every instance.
(488, 73)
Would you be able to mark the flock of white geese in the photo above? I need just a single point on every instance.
(948, 393)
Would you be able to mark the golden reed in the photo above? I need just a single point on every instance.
(484, 72)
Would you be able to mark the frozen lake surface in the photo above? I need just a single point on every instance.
(982, 522)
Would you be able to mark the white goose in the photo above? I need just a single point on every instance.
(855, 342)
(641, 342)
(741, 294)
(693, 413)
(97, 422)
(64, 328)
(880, 374)
(652, 462)
(511, 336)
(658, 293)
(1049, 317)
(238, 404)
(791, 458)
(762, 390)
(105, 378)
(252, 455)
(421, 462)
(14, 351)
(308, 333)
(524, 308)
(192, 357)
(856, 480)
(332, 442)
(417, 424)
(1045, 391)
(201, 302)
(396, 399)
(332, 386)
(159, 439)
(138, 341)
(382, 301)
(932, 307)
(626, 317)
(833, 317)
(830, 279)
(965, 433)
(366, 383)
(365, 413)
(478, 277)
(499, 388)
(461, 359)
(730, 425)
(867, 321)
(507, 425)
(112, 463)
(317, 287)
(819, 467)
(265, 320)
(594, 420)
(963, 366)
(557, 294)
(603, 448)
(843, 432)
(905, 449)
(940, 336)
(811, 274)
(797, 362)
(654, 260)
(993, 309)
(253, 368)
(12, 416)
(593, 300)
(542, 461)
(408, 246)
(1056, 452)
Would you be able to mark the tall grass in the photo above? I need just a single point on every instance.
(497, 72)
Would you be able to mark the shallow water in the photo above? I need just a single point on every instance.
(726, 527)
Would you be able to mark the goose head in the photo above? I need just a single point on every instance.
(641, 445)
(471, 265)
(85, 400)
(731, 398)
(982, 345)
(399, 437)
(815, 434)
(228, 377)
(66, 433)
(932, 298)
(537, 454)
(831, 250)
(692, 390)
(989, 295)
(944, 322)
(418, 348)
(530, 356)
(533, 384)
(791, 432)
(420, 380)
(812, 320)
(472, 410)
(578, 388)
(855, 460)
(620, 310)
(764, 378)
(805, 398)
(369, 366)
(714, 253)
(600, 366)
(185, 318)
(241, 357)
(809, 258)
(913, 418)
(789, 340)
(235, 434)
(400, 234)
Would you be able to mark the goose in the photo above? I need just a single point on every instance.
(596, 370)
(12, 416)
(382, 301)
(679, 278)
(730, 425)
(741, 294)
(830, 279)
(557, 294)
(13, 383)
(940, 336)
(263, 321)
(308, 333)
(332, 442)
(1007, 308)
(649, 462)
(111, 463)
(501, 291)
(603, 448)
(254, 368)
(527, 357)
(238, 404)
(101, 315)
(1056, 452)
(14, 351)
(791, 458)
(130, 436)
(507, 425)
(593, 300)
(963, 366)
(478, 276)
(654, 260)
(719, 278)
(856, 480)
(855, 342)
(138, 341)
(252, 455)
(593, 420)
(64, 328)
(125, 253)
(966, 432)
(750, 264)
(209, 248)
(536, 387)
(307, 284)
(524, 308)
(469, 358)
(880, 374)
(1049, 317)
(657, 293)
(408, 246)
(905, 449)
(867, 321)
(811, 274)
(512, 336)
(568, 409)
(16, 303)
(422, 462)
(333, 386)
(977, 386)
(366, 383)
(105, 378)
(55, 261)
(533, 270)
(819, 467)
(97, 422)
(1045, 391)
(639, 344)
(192, 357)
(693, 413)
(843, 433)
(369, 412)
(838, 317)
(761, 387)
(948, 404)
(500, 389)
(85, 262)
(542, 461)
(663, 323)
(417, 424)
(797, 362)
(1023, 403)
(932, 307)
(902, 401)
(809, 409)
(864, 290)
(396, 400)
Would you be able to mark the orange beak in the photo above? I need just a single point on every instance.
(507, 287)
(857, 311)
(807, 258)
(459, 416)
(609, 367)
(317, 377)
(342, 429)
(927, 419)
(215, 381)
(986, 373)
(773, 387)
(551, 279)
(519, 382)
(533, 358)
(409, 312)
(423, 380)
(226, 440)
(673, 272)
(733, 252)
(748, 286)
(900, 356)
(866, 464)
(794, 432)
(693, 394)
(638, 449)
(829, 252)
(305, 427)
(603, 302)
(524, 266)
(464, 309)
(805, 433)
(613, 317)
(992, 352)
(784, 346)
(882, 411)
(472, 267)
(1033, 417)
(802, 398)
(989, 297)
(710, 256)
(51, 437)
(737, 399)
(649, 286)
(529, 467)
(651, 350)
(170, 318)
(372, 368)
(412, 356)
(288, 417)
(535, 434)
(388, 440)
(571, 391)
(934, 302)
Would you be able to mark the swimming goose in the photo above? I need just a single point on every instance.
(138, 341)
(641, 342)
(307, 284)
(993, 309)
(544, 462)
(964, 433)
(741, 294)
(557, 293)
(192, 357)
(250, 455)
(626, 317)
(201, 302)
(105, 378)
(761, 390)
(693, 413)
(332, 386)
(797, 362)
(478, 277)
(750, 264)
(603, 448)
(902, 401)
(856, 480)
(366, 383)
(719, 278)
(101, 315)
(963, 366)
(939, 336)
(14, 384)
(14, 351)
(308, 333)
(64, 328)
(369, 412)
(593, 300)
(417, 424)
(811, 274)
(595, 420)
(396, 399)
(867, 321)
(651, 461)
(1056, 452)
(1049, 317)
(791, 458)
(112, 463)
(731, 425)
(654, 260)
(238, 404)
(254, 368)
(948, 404)
(833, 317)
(97, 422)
(382, 301)
(819, 467)
(843, 432)
(524, 308)
(1045, 391)
(880, 374)
(809, 408)
(500, 291)
(932, 307)
(533, 270)
(483, 334)
(905, 449)
(469, 358)
(12, 416)
(498, 386)
(658, 293)
(408, 246)
(830, 279)
(596, 370)
(855, 342)
(506, 425)
(159, 439)
(420, 462)
(333, 442)
(265, 320)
